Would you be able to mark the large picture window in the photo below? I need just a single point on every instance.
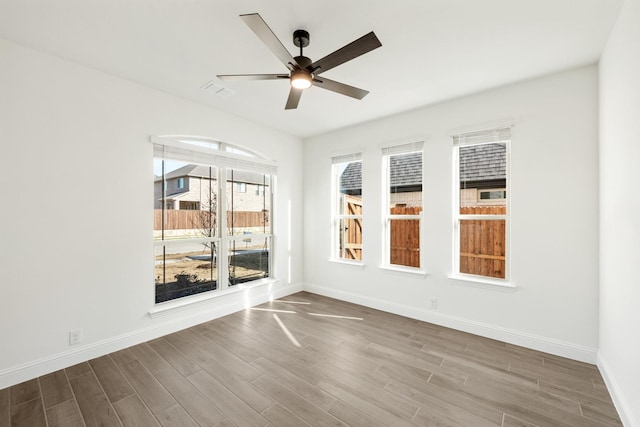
(403, 207)
(209, 232)
(347, 207)
(481, 211)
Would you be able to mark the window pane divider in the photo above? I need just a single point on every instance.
(414, 216)
(170, 242)
(241, 237)
(482, 217)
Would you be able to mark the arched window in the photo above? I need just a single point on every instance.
(209, 233)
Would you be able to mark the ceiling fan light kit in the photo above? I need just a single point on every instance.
(303, 72)
(301, 79)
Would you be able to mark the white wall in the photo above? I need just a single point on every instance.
(76, 218)
(554, 205)
(619, 354)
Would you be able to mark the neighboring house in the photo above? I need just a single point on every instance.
(482, 177)
(190, 188)
(483, 172)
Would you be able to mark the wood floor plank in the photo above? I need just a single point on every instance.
(174, 357)
(29, 414)
(109, 376)
(65, 414)
(382, 396)
(24, 392)
(362, 402)
(191, 399)
(282, 417)
(133, 413)
(147, 387)
(77, 370)
(306, 390)
(231, 405)
(236, 384)
(510, 421)
(93, 403)
(352, 416)
(55, 388)
(298, 363)
(437, 411)
(521, 405)
(224, 357)
(175, 416)
(5, 408)
(296, 404)
(123, 356)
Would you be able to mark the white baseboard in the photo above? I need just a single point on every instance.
(511, 336)
(231, 303)
(622, 405)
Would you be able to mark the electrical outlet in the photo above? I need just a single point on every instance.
(75, 337)
(434, 303)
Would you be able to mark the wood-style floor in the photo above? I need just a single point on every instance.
(311, 360)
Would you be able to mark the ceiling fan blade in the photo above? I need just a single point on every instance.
(264, 33)
(294, 99)
(252, 76)
(340, 88)
(364, 44)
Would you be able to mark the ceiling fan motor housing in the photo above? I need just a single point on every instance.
(301, 38)
(303, 61)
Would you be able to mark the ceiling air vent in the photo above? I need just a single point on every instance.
(218, 89)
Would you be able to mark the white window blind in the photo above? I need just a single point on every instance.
(354, 157)
(483, 137)
(219, 159)
(403, 148)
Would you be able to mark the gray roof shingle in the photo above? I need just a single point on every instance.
(483, 162)
(477, 163)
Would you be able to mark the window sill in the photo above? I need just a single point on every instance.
(168, 307)
(409, 271)
(483, 283)
(355, 264)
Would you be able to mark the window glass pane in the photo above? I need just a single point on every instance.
(483, 179)
(405, 181)
(188, 193)
(404, 242)
(350, 238)
(348, 205)
(349, 188)
(247, 211)
(184, 269)
(248, 259)
(482, 247)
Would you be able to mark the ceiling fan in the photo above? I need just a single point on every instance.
(302, 71)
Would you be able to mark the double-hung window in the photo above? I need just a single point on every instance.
(481, 211)
(347, 207)
(210, 234)
(403, 205)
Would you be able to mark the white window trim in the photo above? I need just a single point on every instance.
(472, 279)
(222, 158)
(335, 256)
(387, 152)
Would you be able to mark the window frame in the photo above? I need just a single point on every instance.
(223, 157)
(491, 136)
(388, 217)
(336, 217)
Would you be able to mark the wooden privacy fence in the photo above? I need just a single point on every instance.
(405, 237)
(482, 242)
(194, 219)
(351, 236)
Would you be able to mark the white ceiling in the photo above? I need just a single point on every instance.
(432, 50)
